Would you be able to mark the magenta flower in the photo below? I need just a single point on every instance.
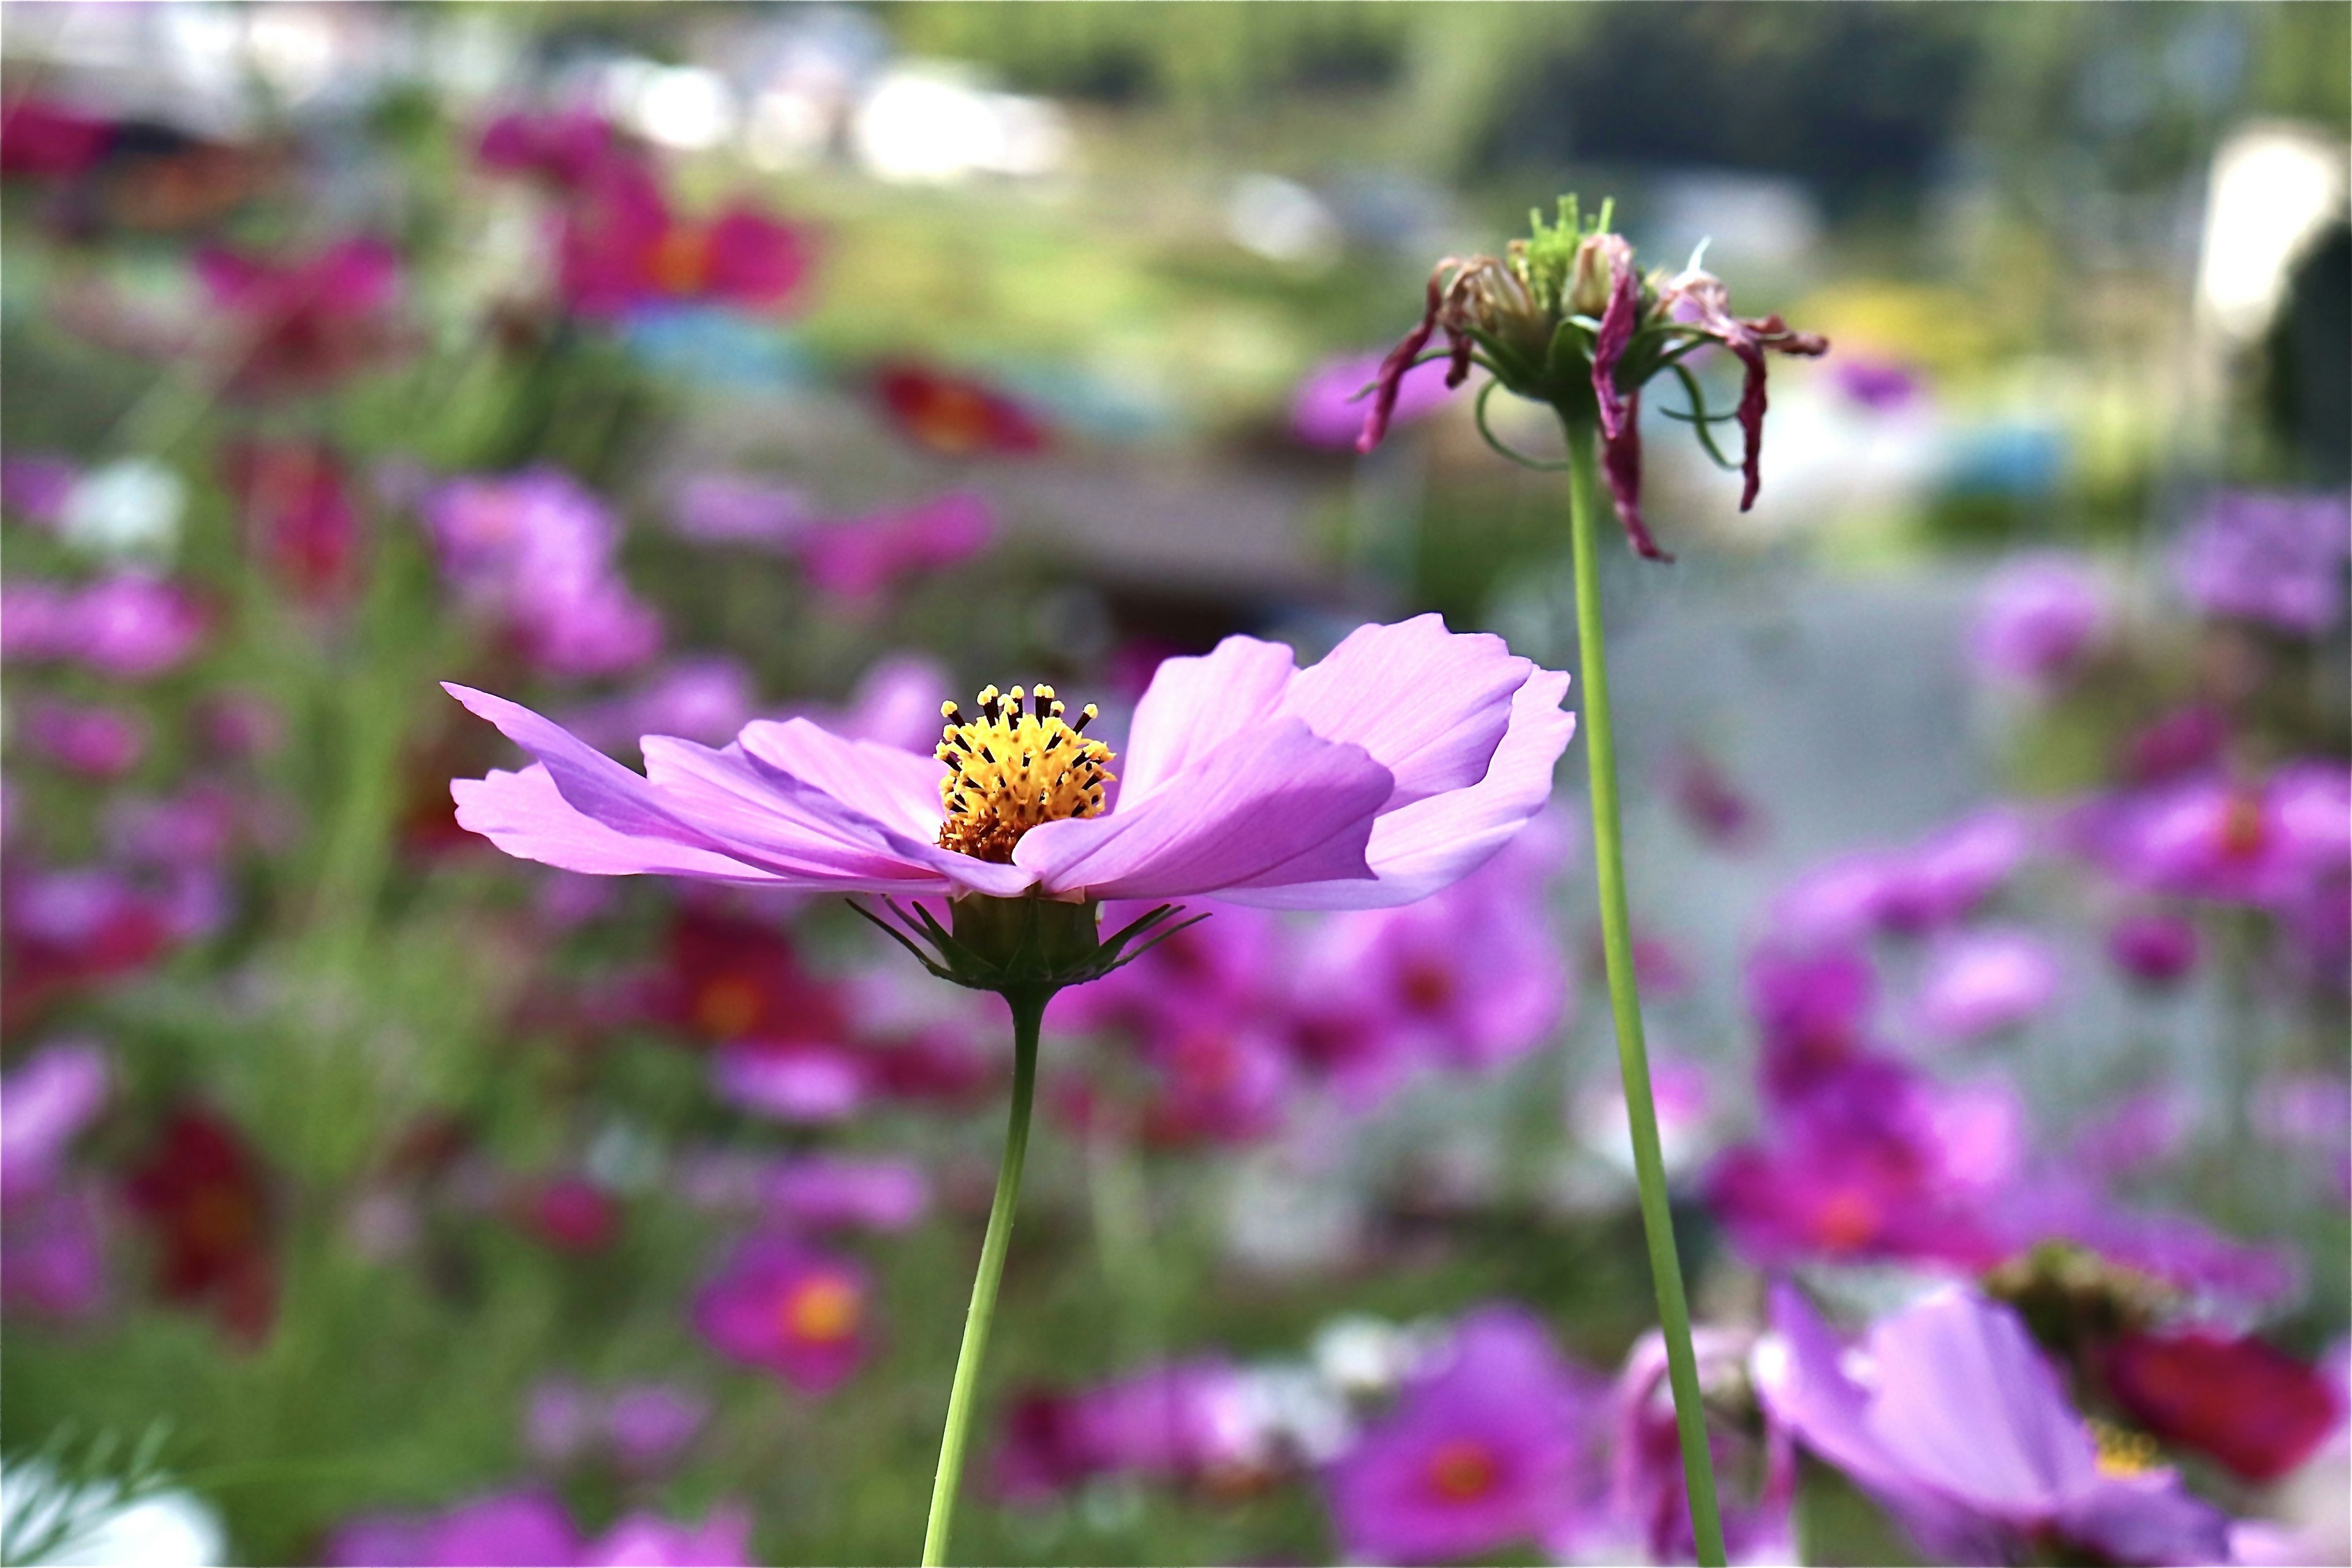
(1328, 409)
(1908, 892)
(298, 326)
(860, 558)
(507, 1529)
(45, 1102)
(91, 739)
(2037, 616)
(1468, 978)
(566, 148)
(1985, 982)
(127, 625)
(2229, 841)
(839, 1191)
(622, 247)
(535, 550)
(1184, 1422)
(1951, 1416)
(2153, 947)
(641, 1540)
(789, 1310)
(1813, 1010)
(1244, 777)
(1488, 1450)
(2275, 559)
(802, 1082)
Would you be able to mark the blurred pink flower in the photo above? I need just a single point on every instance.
(2231, 841)
(91, 739)
(786, 1308)
(1185, 1422)
(300, 518)
(38, 488)
(43, 137)
(296, 327)
(642, 1427)
(621, 247)
(734, 509)
(1647, 1492)
(641, 1540)
(859, 558)
(507, 1529)
(564, 147)
(129, 624)
(45, 1101)
(536, 551)
(1985, 981)
(1488, 1449)
(2276, 560)
(1328, 409)
(2153, 947)
(2036, 618)
(834, 1192)
(954, 415)
(799, 1082)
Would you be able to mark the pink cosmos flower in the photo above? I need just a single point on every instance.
(1984, 982)
(622, 247)
(536, 551)
(643, 1427)
(860, 558)
(2275, 559)
(1950, 1413)
(52, 1251)
(833, 1192)
(300, 518)
(1908, 892)
(2231, 841)
(1398, 764)
(89, 739)
(734, 509)
(298, 326)
(1184, 1422)
(129, 626)
(783, 1305)
(641, 1540)
(564, 147)
(1486, 1451)
(2036, 618)
(37, 488)
(1328, 409)
(45, 1102)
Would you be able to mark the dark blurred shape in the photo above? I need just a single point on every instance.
(2309, 359)
(2257, 1410)
(201, 1194)
(1859, 101)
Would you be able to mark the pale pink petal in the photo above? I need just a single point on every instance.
(1435, 842)
(525, 816)
(897, 788)
(1429, 705)
(1275, 801)
(1195, 704)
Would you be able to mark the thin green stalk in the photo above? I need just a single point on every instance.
(1028, 1014)
(1624, 1001)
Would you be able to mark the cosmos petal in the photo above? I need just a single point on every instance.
(1274, 800)
(1429, 705)
(897, 788)
(524, 815)
(1194, 705)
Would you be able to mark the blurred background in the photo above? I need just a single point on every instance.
(370, 1197)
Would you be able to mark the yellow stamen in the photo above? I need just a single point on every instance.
(1009, 770)
(2123, 1453)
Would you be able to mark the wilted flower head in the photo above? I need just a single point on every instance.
(1487, 1449)
(1563, 318)
(2275, 559)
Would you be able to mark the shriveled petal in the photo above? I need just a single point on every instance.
(1390, 381)
(1276, 801)
(525, 814)
(1617, 324)
(1433, 843)
(1195, 704)
(1621, 464)
(1429, 705)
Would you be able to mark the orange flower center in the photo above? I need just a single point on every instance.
(1462, 1470)
(2244, 831)
(728, 1007)
(1845, 1220)
(1008, 771)
(680, 263)
(823, 1310)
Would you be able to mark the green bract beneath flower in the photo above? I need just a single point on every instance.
(1564, 317)
(1026, 944)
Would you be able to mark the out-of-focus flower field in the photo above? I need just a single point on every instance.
(368, 1196)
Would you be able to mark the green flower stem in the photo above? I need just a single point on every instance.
(1617, 943)
(1028, 1013)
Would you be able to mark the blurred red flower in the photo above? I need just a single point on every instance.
(954, 415)
(200, 1194)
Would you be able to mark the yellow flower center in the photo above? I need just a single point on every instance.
(2123, 1453)
(824, 1310)
(1009, 770)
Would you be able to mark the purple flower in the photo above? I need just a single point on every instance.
(1985, 982)
(1487, 1450)
(1950, 872)
(2037, 616)
(1647, 1493)
(860, 558)
(45, 1103)
(2134, 1134)
(1880, 385)
(835, 1192)
(2229, 841)
(1245, 778)
(507, 1529)
(1184, 1422)
(37, 488)
(535, 550)
(732, 509)
(641, 1540)
(643, 1427)
(2276, 560)
(790, 1310)
(1469, 978)
(1328, 409)
(90, 739)
(2153, 947)
(53, 1254)
(1813, 1010)
(795, 1081)
(128, 626)
(1950, 1414)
